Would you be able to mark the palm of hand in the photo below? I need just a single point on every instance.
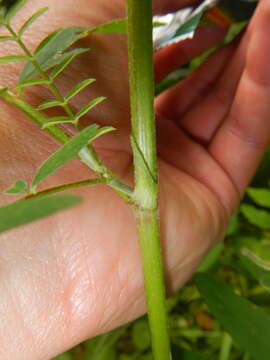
(81, 275)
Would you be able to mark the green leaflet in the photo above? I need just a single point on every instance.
(12, 58)
(118, 26)
(248, 325)
(6, 38)
(49, 104)
(68, 151)
(31, 83)
(20, 187)
(257, 267)
(57, 120)
(257, 217)
(8, 8)
(50, 52)
(26, 211)
(66, 59)
(260, 196)
(30, 21)
(78, 88)
(83, 111)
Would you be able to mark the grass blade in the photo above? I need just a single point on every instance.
(26, 211)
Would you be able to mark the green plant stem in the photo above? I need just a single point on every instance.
(149, 235)
(33, 114)
(64, 187)
(143, 139)
(58, 134)
(225, 347)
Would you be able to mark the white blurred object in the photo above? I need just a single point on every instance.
(166, 33)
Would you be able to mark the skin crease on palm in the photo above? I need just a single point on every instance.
(78, 274)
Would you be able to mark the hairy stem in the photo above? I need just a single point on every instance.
(145, 162)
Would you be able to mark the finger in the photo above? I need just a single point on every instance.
(174, 102)
(180, 151)
(211, 106)
(211, 91)
(176, 55)
(241, 141)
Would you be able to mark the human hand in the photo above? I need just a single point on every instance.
(78, 273)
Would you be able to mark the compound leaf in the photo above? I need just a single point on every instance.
(50, 52)
(66, 59)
